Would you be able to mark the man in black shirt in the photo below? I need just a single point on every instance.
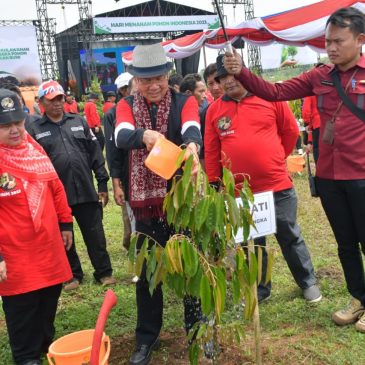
(75, 154)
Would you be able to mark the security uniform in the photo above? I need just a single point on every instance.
(75, 153)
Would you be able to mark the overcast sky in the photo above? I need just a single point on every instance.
(25, 9)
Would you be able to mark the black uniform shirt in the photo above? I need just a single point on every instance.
(75, 153)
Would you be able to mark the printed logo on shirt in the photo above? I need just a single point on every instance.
(224, 123)
(79, 128)
(41, 135)
(7, 182)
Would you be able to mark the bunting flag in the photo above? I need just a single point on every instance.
(304, 26)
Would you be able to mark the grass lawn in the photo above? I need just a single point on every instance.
(293, 331)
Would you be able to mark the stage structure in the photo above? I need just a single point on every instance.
(47, 31)
(69, 55)
(253, 52)
(118, 31)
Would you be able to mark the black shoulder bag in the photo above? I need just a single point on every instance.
(346, 100)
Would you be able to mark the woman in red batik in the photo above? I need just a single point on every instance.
(35, 228)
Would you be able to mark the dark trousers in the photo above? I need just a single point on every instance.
(150, 308)
(298, 145)
(100, 137)
(89, 218)
(315, 144)
(29, 320)
(344, 204)
(263, 290)
(290, 240)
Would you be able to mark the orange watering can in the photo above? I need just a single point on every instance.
(163, 157)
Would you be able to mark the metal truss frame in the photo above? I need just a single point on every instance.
(253, 52)
(46, 32)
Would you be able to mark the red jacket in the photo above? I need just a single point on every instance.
(255, 136)
(34, 260)
(91, 114)
(344, 159)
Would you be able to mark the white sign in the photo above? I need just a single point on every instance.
(154, 24)
(19, 55)
(263, 214)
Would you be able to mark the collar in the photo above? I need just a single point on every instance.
(360, 63)
(45, 119)
(225, 97)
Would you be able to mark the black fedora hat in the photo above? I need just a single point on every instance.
(221, 71)
(11, 109)
(149, 61)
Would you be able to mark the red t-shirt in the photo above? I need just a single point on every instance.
(107, 105)
(71, 108)
(91, 114)
(256, 136)
(310, 112)
(34, 260)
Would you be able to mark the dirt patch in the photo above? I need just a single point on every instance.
(332, 273)
(173, 350)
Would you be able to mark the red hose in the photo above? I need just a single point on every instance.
(110, 300)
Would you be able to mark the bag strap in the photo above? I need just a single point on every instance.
(309, 166)
(346, 100)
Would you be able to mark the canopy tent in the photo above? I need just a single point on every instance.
(304, 26)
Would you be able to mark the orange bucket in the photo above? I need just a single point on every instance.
(163, 157)
(75, 349)
(295, 163)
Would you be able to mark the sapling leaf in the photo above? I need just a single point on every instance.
(194, 351)
(205, 295)
(253, 268)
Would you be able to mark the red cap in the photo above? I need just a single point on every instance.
(50, 89)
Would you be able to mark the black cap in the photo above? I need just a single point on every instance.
(221, 71)
(110, 93)
(93, 96)
(11, 109)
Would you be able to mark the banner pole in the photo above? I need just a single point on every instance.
(205, 57)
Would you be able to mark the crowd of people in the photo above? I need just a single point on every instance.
(48, 162)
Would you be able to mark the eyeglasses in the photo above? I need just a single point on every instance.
(152, 80)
